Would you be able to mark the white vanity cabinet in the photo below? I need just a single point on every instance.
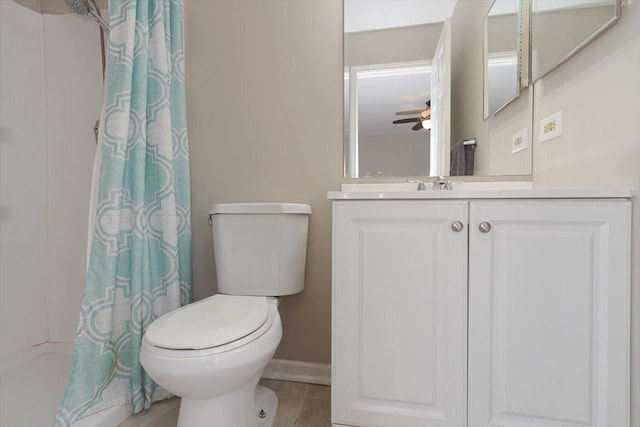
(549, 313)
(399, 314)
(519, 319)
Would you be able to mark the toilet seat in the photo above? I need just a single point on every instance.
(215, 324)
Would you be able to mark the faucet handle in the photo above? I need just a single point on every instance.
(421, 185)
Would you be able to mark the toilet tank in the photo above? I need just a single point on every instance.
(260, 248)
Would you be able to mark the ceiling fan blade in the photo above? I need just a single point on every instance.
(420, 111)
(412, 120)
(408, 112)
(417, 126)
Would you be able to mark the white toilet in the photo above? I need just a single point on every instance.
(212, 353)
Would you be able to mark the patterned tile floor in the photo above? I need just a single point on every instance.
(299, 405)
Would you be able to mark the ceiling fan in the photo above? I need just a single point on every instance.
(422, 122)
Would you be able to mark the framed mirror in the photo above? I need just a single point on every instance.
(502, 55)
(560, 28)
(388, 49)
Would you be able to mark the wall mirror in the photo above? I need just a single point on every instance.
(388, 46)
(559, 28)
(502, 53)
(389, 52)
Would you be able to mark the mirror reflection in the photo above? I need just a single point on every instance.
(497, 49)
(501, 55)
(559, 28)
(389, 46)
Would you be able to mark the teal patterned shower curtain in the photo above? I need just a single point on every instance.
(140, 254)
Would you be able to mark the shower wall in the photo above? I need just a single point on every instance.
(73, 86)
(23, 301)
(51, 85)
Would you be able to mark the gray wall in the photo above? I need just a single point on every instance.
(264, 91)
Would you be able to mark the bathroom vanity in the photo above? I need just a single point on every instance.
(482, 308)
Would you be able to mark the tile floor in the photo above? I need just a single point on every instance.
(299, 405)
(30, 393)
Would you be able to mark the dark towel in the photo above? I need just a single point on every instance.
(462, 159)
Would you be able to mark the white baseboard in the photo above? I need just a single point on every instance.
(303, 372)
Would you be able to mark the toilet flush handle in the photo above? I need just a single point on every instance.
(210, 221)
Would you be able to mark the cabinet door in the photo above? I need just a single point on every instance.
(399, 314)
(549, 314)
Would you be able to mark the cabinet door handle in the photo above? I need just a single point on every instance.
(485, 227)
(457, 226)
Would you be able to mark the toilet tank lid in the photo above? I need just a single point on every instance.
(260, 208)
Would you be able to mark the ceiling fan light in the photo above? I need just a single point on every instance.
(426, 124)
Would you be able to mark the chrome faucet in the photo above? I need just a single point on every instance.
(440, 183)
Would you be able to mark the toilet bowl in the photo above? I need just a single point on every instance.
(212, 353)
(217, 383)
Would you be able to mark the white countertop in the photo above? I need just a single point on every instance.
(538, 193)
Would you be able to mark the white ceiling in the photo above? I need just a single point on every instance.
(365, 15)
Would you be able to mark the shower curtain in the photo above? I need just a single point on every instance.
(139, 264)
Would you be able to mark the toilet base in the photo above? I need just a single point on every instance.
(267, 401)
(240, 408)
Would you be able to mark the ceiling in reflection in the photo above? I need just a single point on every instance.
(366, 15)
